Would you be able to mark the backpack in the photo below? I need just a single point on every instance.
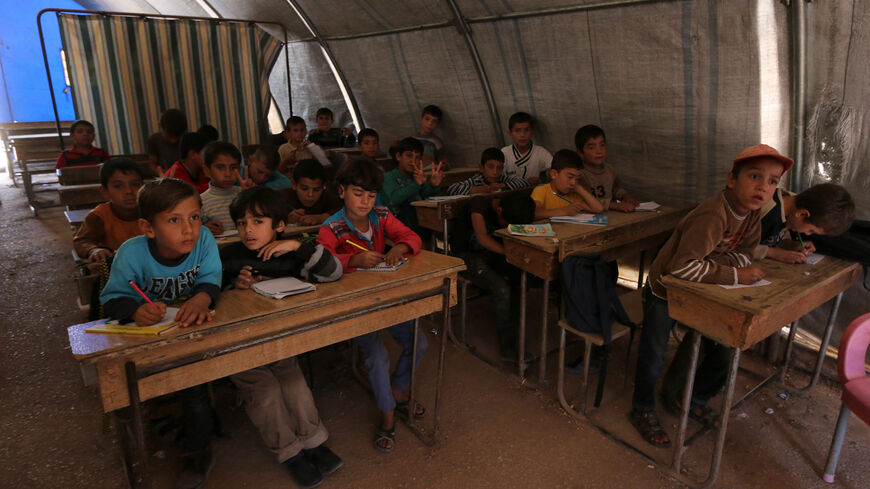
(853, 245)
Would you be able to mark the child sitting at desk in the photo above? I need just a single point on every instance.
(262, 169)
(311, 201)
(172, 261)
(357, 236)
(83, 151)
(563, 196)
(325, 135)
(712, 244)
(296, 147)
(222, 167)
(162, 147)
(599, 177)
(111, 223)
(369, 144)
(433, 146)
(408, 182)
(523, 159)
(276, 396)
(490, 178)
(189, 167)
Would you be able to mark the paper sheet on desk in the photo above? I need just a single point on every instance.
(319, 154)
(228, 233)
(442, 198)
(647, 206)
(814, 258)
(760, 283)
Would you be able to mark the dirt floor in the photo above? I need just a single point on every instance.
(496, 431)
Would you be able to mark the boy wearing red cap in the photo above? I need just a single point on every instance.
(712, 244)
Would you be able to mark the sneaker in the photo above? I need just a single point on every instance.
(324, 459)
(303, 472)
(195, 471)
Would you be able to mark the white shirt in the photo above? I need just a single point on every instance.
(529, 165)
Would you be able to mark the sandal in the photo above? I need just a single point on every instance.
(385, 440)
(402, 410)
(648, 425)
(702, 414)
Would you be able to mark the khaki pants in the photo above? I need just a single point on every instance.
(279, 403)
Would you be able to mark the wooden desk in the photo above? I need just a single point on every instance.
(250, 330)
(76, 217)
(625, 235)
(740, 318)
(290, 231)
(75, 175)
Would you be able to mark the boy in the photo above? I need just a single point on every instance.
(432, 145)
(189, 167)
(222, 167)
(310, 201)
(173, 260)
(111, 223)
(490, 178)
(295, 149)
(276, 396)
(262, 169)
(368, 227)
(83, 151)
(369, 144)
(209, 132)
(408, 183)
(563, 196)
(487, 269)
(162, 147)
(712, 244)
(327, 136)
(522, 158)
(599, 177)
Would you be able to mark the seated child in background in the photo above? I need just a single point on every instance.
(825, 209)
(563, 196)
(311, 202)
(189, 167)
(222, 167)
(262, 169)
(433, 146)
(369, 144)
(276, 396)
(295, 148)
(282, 137)
(172, 261)
(162, 147)
(327, 136)
(490, 178)
(83, 151)
(712, 244)
(209, 132)
(368, 227)
(111, 223)
(487, 269)
(408, 182)
(522, 158)
(599, 177)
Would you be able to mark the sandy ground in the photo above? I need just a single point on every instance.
(495, 431)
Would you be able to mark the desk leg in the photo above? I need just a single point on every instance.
(446, 237)
(521, 341)
(823, 348)
(680, 442)
(542, 371)
(138, 466)
(640, 271)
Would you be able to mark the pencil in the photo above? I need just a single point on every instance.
(144, 296)
(803, 246)
(356, 245)
(563, 198)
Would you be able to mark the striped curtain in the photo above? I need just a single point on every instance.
(125, 71)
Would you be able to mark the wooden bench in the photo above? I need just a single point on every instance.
(77, 175)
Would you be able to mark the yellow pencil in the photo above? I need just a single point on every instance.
(356, 245)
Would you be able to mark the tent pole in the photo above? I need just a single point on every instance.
(50, 86)
(481, 72)
(799, 107)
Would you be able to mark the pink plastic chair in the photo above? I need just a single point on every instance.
(856, 385)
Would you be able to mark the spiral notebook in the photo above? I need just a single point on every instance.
(279, 288)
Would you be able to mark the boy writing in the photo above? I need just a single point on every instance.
(362, 226)
(599, 177)
(327, 136)
(162, 147)
(173, 260)
(433, 146)
(221, 161)
(408, 182)
(523, 158)
(262, 169)
(310, 201)
(83, 151)
(563, 196)
(490, 178)
(712, 244)
(277, 398)
(295, 149)
(189, 167)
(111, 223)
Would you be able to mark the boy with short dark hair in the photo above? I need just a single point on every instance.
(408, 182)
(111, 223)
(83, 151)
(523, 158)
(276, 396)
(490, 178)
(327, 136)
(189, 167)
(599, 177)
(712, 244)
(222, 163)
(361, 225)
(433, 146)
(311, 201)
(162, 147)
(295, 149)
(369, 143)
(262, 169)
(171, 261)
(209, 132)
(563, 196)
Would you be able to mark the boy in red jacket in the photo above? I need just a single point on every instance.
(356, 236)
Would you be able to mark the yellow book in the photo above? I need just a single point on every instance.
(105, 326)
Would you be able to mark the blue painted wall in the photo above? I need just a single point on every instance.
(24, 95)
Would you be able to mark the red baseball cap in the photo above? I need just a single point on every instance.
(762, 150)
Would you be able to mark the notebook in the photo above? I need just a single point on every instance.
(647, 206)
(531, 230)
(442, 198)
(383, 267)
(319, 154)
(593, 219)
(279, 288)
(105, 326)
(760, 283)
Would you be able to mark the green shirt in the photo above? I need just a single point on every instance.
(400, 190)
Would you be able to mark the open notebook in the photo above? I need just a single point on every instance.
(105, 326)
(383, 267)
(279, 288)
(594, 219)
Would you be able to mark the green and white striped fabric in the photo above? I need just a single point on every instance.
(125, 71)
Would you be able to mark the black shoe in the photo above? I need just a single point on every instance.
(195, 471)
(303, 472)
(324, 459)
